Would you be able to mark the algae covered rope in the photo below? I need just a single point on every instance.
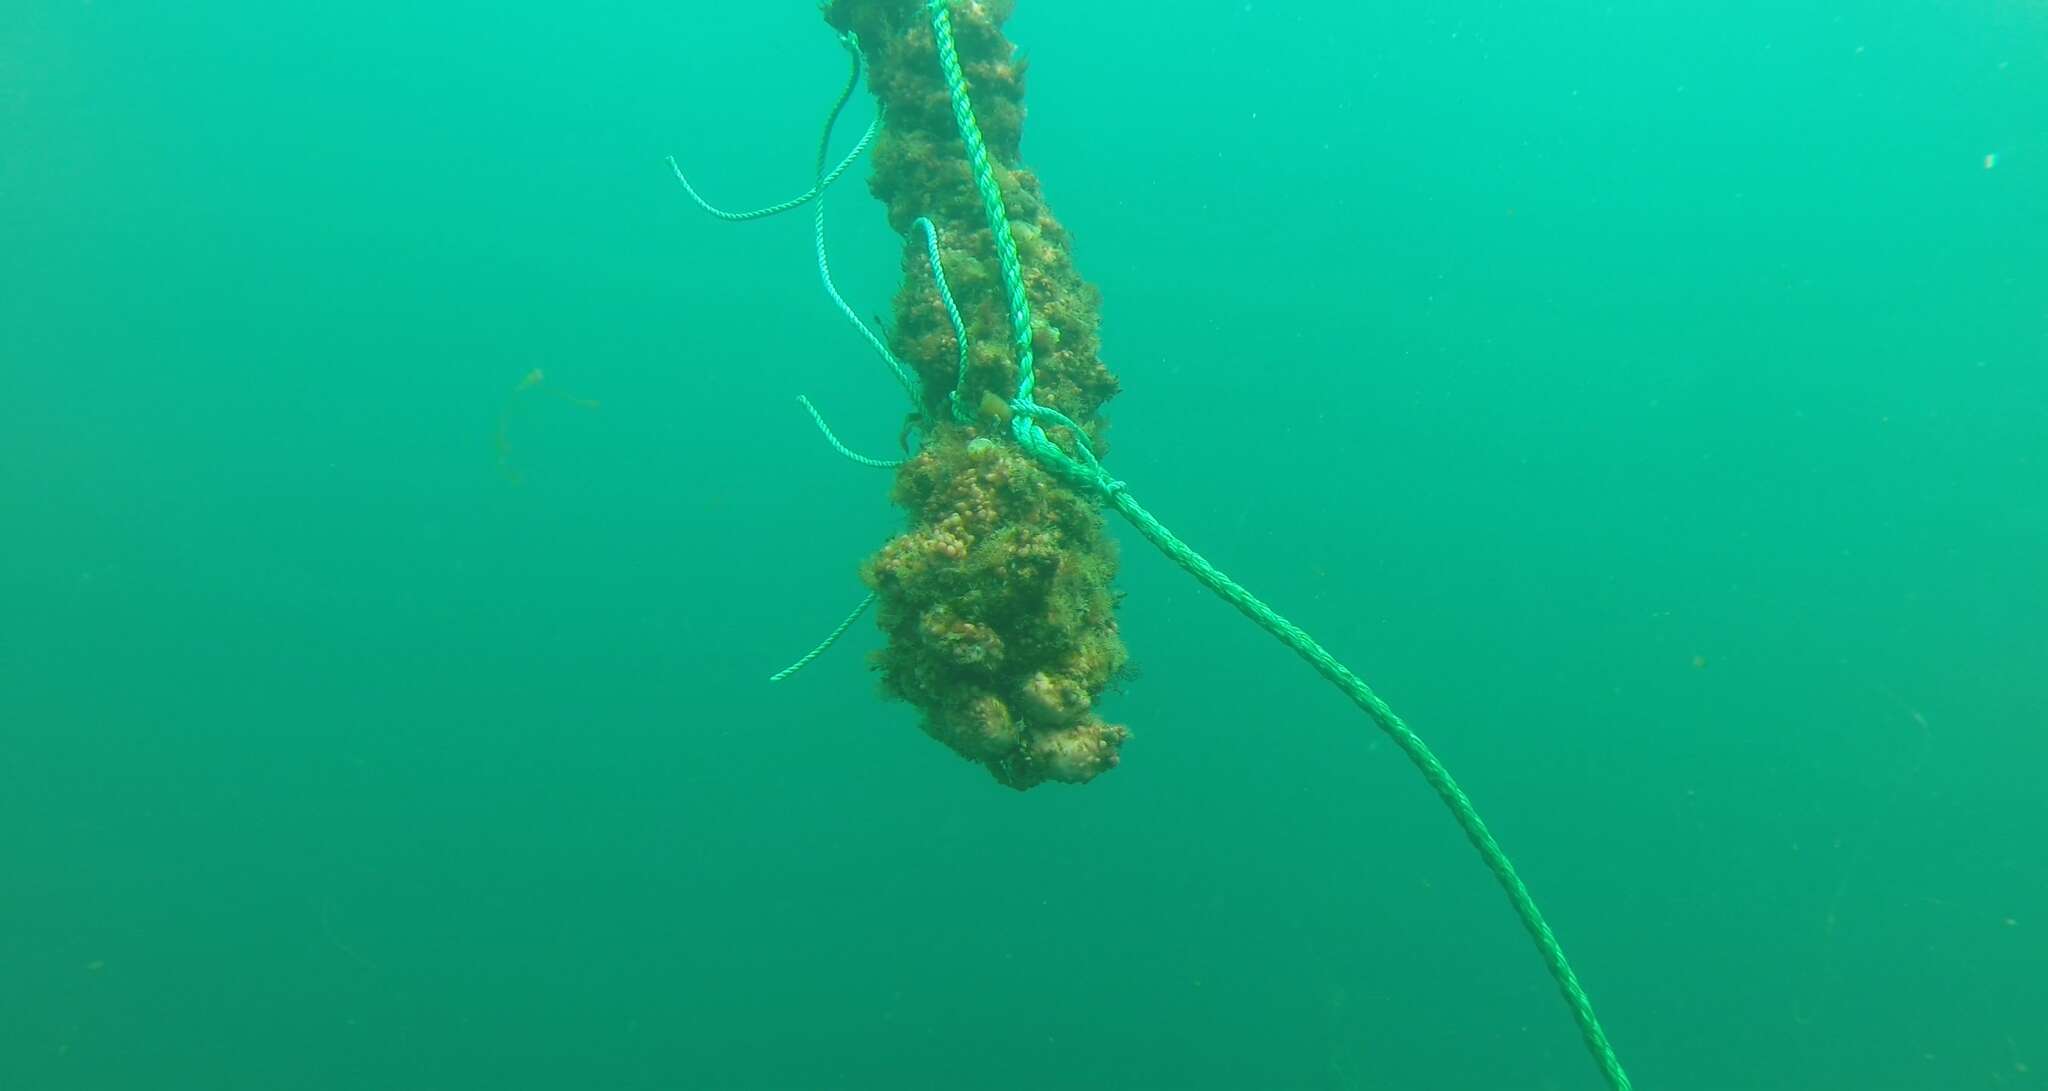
(1411, 744)
(904, 376)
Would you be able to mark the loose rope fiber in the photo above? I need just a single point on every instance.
(824, 178)
(1418, 753)
(856, 66)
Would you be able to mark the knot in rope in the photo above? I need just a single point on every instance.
(1085, 471)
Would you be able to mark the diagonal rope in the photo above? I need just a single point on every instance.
(1086, 471)
(906, 377)
(991, 195)
(827, 642)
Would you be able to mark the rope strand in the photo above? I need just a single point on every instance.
(824, 178)
(1090, 473)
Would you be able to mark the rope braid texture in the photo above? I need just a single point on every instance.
(857, 65)
(1027, 422)
(825, 644)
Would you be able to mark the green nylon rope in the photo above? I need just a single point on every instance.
(857, 64)
(905, 377)
(824, 178)
(991, 196)
(844, 451)
(1325, 664)
(931, 253)
(827, 642)
(1419, 754)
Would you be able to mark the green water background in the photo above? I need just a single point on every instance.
(1649, 399)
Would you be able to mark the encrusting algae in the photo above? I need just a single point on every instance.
(997, 598)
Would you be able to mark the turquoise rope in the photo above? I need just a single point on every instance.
(857, 66)
(931, 253)
(824, 178)
(846, 452)
(1088, 471)
(817, 190)
(905, 377)
(827, 642)
(991, 196)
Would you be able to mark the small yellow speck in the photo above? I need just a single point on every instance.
(1990, 160)
(96, 965)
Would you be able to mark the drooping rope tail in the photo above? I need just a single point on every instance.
(827, 642)
(931, 254)
(905, 377)
(824, 178)
(1418, 753)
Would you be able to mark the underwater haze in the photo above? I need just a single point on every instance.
(406, 501)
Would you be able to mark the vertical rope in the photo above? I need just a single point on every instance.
(991, 196)
(824, 178)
